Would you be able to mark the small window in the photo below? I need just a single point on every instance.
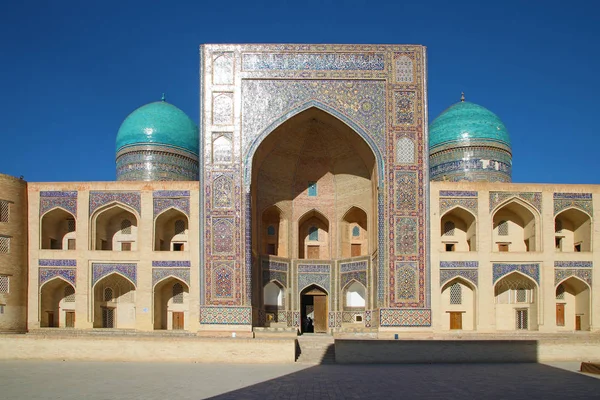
(521, 295)
(125, 246)
(449, 228)
(271, 249)
(69, 294)
(557, 243)
(356, 231)
(126, 227)
(503, 228)
(71, 244)
(4, 244)
(450, 247)
(313, 233)
(522, 319)
(177, 246)
(179, 227)
(108, 294)
(502, 247)
(560, 292)
(4, 284)
(577, 248)
(456, 294)
(312, 189)
(271, 230)
(71, 225)
(4, 211)
(178, 293)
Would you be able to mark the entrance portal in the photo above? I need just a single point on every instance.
(314, 310)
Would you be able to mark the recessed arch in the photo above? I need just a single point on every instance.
(314, 308)
(517, 305)
(274, 230)
(464, 237)
(573, 230)
(522, 232)
(458, 297)
(105, 227)
(166, 234)
(573, 304)
(56, 304)
(311, 245)
(354, 294)
(170, 303)
(115, 273)
(354, 233)
(117, 311)
(58, 229)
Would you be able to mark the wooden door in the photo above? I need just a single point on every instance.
(560, 315)
(70, 319)
(50, 319)
(455, 320)
(578, 322)
(313, 252)
(320, 313)
(355, 250)
(177, 320)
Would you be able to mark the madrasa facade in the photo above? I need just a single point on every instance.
(312, 196)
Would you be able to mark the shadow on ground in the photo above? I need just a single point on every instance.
(424, 381)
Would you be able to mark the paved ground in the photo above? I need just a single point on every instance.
(149, 381)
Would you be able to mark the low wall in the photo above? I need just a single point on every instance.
(148, 349)
(464, 351)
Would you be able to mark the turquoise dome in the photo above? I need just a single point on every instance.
(466, 124)
(159, 123)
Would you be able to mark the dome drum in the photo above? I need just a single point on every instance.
(152, 164)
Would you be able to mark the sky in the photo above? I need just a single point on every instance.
(71, 71)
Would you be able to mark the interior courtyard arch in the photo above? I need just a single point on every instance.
(171, 304)
(515, 227)
(114, 227)
(114, 302)
(458, 230)
(171, 231)
(57, 304)
(573, 231)
(58, 230)
(573, 306)
(516, 302)
(459, 305)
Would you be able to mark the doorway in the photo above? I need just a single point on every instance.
(455, 320)
(177, 320)
(560, 314)
(313, 310)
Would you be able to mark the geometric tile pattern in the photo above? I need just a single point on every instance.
(305, 280)
(353, 266)
(405, 151)
(335, 319)
(404, 108)
(358, 276)
(275, 270)
(223, 191)
(582, 201)
(533, 198)
(182, 204)
(404, 317)
(313, 61)
(368, 316)
(469, 274)
(100, 270)
(68, 274)
(406, 235)
(531, 270)
(459, 264)
(467, 203)
(158, 274)
(573, 264)
(221, 315)
(404, 67)
(561, 274)
(171, 264)
(458, 193)
(406, 281)
(223, 235)
(406, 190)
(42, 262)
(63, 199)
(98, 199)
(223, 281)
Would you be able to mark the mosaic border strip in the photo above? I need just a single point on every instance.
(102, 198)
(47, 274)
(172, 264)
(532, 198)
(469, 274)
(564, 274)
(396, 317)
(158, 274)
(223, 315)
(458, 193)
(573, 264)
(45, 262)
(66, 200)
(170, 193)
(101, 270)
(531, 270)
(459, 264)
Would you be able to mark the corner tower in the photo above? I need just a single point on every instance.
(468, 142)
(157, 142)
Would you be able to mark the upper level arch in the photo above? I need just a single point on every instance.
(573, 231)
(171, 229)
(354, 233)
(458, 227)
(114, 227)
(313, 236)
(274, 232)
(516, 227)
(58, 230)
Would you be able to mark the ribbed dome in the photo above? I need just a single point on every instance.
(465, 124)
(159, 123)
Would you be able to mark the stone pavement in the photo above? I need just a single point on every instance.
(149, 381)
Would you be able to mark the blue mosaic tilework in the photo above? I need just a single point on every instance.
(223, 281)
(223, 229)
(158, 274)
(349, 316)
(313, 61)
(305, 280)
(99, 199)
(359, 276)
(573, 264)
(466, 203)
(533, 198)
(279, 276)
(353, 266)
(68, 274)
(459, 264)
(51, 199)
(334, 319)
(316, 268)
(368, 318)
(160, 163)
(281, 316)
(170, 193)
(458, 193)
(406, 191)
(100, 270)
(582, 201)
(42, 262)
(404, 108)
(275, 265)
(531, 270)
(469, 274)
(223, 191)
(172, 264)
(380, 247)
(561, 274)
(248, 247)
(406, 282)
(406, 235)
(161, 204)
(471, 169)
(225, 315)
(404, 317)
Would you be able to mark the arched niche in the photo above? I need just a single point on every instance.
(515, 227)
(274, 302)
(573, 306)
(516, 297)
(572, 231)
(114, 302)
(57, 304)
(114, 227)
(274, 232)
(355, 296)
(458, 305)
(354, 233)
(171, 304)
(314, 308)
(171, 229)
(58, 230)
(313, 234)
(458, 230)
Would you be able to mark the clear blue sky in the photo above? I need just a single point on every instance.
(71, 71)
